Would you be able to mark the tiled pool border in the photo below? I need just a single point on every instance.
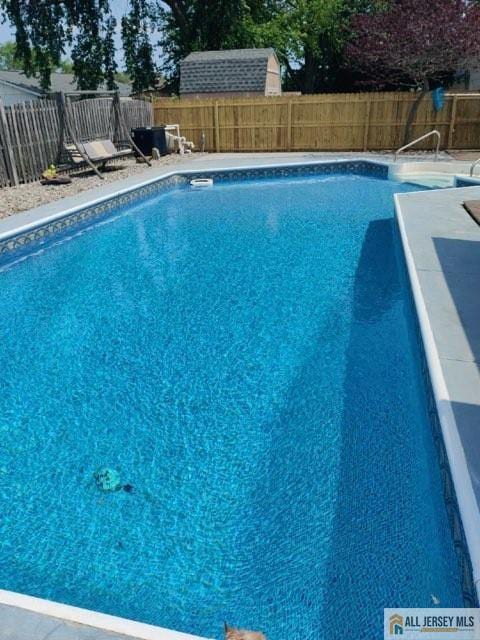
(37, 232)
(27, 236)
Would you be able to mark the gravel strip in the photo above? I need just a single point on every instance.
(34, 194)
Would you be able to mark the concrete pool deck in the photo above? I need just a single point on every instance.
(442, 245)
(19, 623)
(26, 618)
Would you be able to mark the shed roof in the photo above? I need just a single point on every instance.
(224, 71)
(59, 82)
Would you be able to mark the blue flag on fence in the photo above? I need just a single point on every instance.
(438, 98)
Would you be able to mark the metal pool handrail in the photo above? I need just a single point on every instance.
(474, 164)
(434, 132)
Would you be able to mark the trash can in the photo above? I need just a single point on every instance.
(159, 139)
(148, 137)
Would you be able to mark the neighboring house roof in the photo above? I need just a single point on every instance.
(59, 82)
(224, 71)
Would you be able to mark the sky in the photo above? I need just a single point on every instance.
(119, 8)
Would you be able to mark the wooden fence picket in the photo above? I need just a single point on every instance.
(370, 121)
(9, 159)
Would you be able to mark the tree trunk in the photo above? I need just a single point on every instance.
(178, 9)
(413, 112)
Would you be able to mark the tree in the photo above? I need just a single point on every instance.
(199, 25)
(413, 44)
(93, 53)
(313, 34)
(310, 37)
(44, 29)
(66, 66)
(108, 50)
(8, 62)
(137, 46)
(122, 76)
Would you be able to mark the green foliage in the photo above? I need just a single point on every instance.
(66, 66)
(8, 61)
(122, 76)
(200, 25)
(44, 30)
(108, 51)
(93, 51)
(310, 37)
(137, 46)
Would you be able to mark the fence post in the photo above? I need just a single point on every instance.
(60, 100)
(289, 125)
(368, 105)
(12, 167)
(451, 128)
(217, 128)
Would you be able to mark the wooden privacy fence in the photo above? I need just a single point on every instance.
(30, 132)
(324, 122)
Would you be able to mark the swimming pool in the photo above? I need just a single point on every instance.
(245, 357)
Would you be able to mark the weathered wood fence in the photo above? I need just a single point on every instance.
(30, 132)
(324, 122)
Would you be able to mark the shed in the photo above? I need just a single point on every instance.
(233, 72)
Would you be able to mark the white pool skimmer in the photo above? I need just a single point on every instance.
(201, 182)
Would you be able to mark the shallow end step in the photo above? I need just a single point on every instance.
(24, 617)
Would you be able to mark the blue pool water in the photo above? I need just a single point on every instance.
(244, 356)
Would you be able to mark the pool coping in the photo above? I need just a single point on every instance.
(424, 218)
(91, 619)
(28, 222)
